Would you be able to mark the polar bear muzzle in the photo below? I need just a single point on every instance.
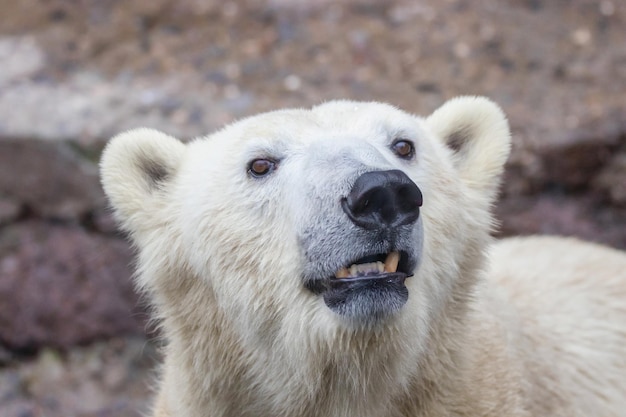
(385, 207)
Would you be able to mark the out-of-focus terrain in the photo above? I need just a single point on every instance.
(73, 73)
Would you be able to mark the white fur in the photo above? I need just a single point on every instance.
(542, 333)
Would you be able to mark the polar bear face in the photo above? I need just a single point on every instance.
(351, 217)
(293, 210)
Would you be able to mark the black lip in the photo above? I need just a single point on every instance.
(367, 299)
(397, 277)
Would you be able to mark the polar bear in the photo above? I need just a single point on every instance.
(337, 261)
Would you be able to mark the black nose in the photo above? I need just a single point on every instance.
(382, 199)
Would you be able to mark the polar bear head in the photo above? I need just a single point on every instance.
(297, 231)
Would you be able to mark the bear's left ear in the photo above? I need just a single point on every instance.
(476, 130)
(136, 168)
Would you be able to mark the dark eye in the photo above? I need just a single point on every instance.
(403, 148)
(261, 167)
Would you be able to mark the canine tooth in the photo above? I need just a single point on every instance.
(380, 266)
(354, 270)
(391, 263)
(342, 273)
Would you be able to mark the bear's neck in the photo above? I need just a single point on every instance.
(208, 368)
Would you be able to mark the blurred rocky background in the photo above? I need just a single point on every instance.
(73, 335)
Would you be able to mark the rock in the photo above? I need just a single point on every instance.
(583, 216)
(544, 215)
(79, 383)
(63, 286)
(612, 180)
(61, 283)
(572, 161)
(9, 211)
(21, 57)
(10, 385)
(5, 357)
(103, 221)
(46, 179)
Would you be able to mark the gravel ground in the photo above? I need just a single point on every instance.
(108, 378)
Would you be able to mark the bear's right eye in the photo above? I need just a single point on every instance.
(261, 167)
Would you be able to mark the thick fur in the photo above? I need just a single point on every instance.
(523, 327)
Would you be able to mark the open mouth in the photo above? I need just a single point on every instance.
(370, 288)
(392, 265)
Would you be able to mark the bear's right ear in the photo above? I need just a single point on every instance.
(134, 168)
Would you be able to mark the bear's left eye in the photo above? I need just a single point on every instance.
(261, 167)
(403, 148)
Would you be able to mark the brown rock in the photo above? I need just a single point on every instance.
(61, 286)
(103, 221)
(612, 180)
(9, 211)
(582, 216)
(573, 161)
(48, 179)
(545, 215)
(78, 383)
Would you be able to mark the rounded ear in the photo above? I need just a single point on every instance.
(476, 130)
(135, 168)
